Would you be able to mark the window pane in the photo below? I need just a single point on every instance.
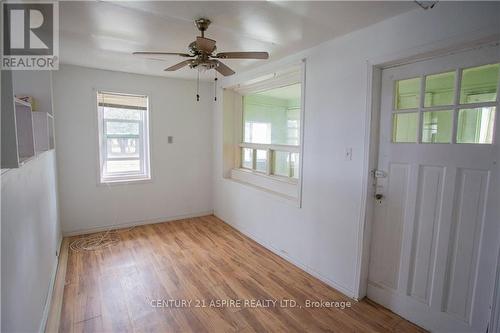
(476, 125)
(261, 160)
(293, 132)
(123, 147)
(128, 114)
(407, 95)
(281, 166)
(437, 127)
(257, 132)
(294, 161)
(404, 127)
(111, 167)
(247, 158)
(273, 116)
(439, 89)
(121, 128)
(479, 84)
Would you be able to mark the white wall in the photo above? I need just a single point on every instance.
(37, 84)
(181, 172)
(325, 236)
(30, 238)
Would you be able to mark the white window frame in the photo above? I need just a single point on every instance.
(288, 187)
(144, 174)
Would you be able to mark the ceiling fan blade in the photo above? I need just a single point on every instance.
(145, 53)
(242, 55)
(178, 66)
(223, 69)
(206, 45)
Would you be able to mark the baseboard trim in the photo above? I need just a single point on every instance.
(346, 291)
(53, 306)
(134, 224)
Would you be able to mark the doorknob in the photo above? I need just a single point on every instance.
(378, 196)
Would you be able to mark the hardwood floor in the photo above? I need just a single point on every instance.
(126, 287)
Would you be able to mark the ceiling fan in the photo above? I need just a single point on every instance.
(201, 53)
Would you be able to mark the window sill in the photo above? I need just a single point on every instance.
(284, 187)
(127, 181)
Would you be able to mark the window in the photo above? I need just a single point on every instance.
(271, 131)
(430, 118)
(123, 137)
(262, 122)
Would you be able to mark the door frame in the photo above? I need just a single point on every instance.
(371, 136)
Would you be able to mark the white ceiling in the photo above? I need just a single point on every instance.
(104, 34)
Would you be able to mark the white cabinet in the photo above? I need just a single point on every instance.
(25, 132)
(43, 130)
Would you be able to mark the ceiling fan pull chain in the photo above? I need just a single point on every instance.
(215, 87)
(198, 86)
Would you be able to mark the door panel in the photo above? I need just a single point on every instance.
(388, 251)
(436, 225)
(467, 223)
(426, 222)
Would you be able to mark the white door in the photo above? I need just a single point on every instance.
(435, 233)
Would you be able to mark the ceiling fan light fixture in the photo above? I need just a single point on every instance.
(201, 52)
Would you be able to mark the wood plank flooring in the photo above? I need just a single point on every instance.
(127, 287)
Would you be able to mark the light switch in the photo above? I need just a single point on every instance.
(170, 139)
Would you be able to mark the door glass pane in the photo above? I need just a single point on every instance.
(261, 161)
(281, 166)
(475, 125)
(407, 95)
(247, 158)
(439, 89)
(437, 127)
(479, 84)
(273, 116)
(294, 164)
(404, 127)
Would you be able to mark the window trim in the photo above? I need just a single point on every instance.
(145, 153)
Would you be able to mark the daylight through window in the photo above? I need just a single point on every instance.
(271, 131)
(123, 137)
